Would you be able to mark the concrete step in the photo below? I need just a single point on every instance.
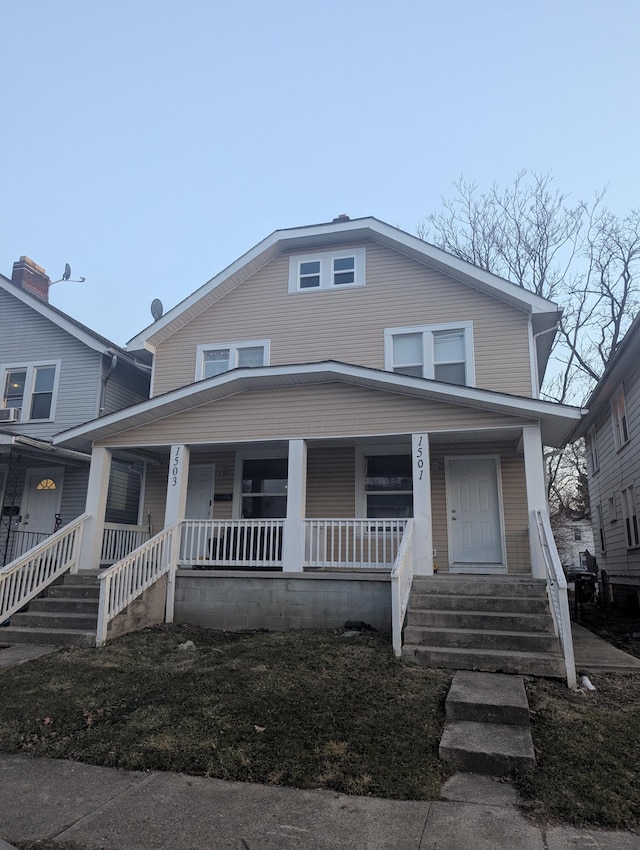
(489, 639)
(497, 621)
(507, 604)
(503, 661)
(55, 620)
(488, 698)
(467, 585)
(79, 605)
(489, 748)
(50, 637)
(74, 591)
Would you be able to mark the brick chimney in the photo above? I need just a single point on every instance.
(28, 275)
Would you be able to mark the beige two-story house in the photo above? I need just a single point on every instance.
(335, 386)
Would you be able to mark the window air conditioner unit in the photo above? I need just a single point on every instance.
(10, 414)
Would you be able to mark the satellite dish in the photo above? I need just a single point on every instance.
(157, 309)
(67, 272)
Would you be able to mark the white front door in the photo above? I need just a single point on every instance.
(476, 541)
(199, 505)
(41, 502)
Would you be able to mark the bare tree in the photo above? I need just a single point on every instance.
(579, 255)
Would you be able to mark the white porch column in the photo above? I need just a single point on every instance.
(536, 491)
(423, 537)
(293, 544)
(97, 491)
(176, 503)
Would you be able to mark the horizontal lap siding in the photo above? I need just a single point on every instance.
(618, 469)
(323, 410)
(331, 482)
(348, 325)
(514, 503)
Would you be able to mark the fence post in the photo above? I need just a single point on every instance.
(105, 592)
(174, 551)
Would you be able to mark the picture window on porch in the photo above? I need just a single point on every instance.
(440, 352)
(264, 488)
(388, 486)
(30, 388)
(214, 360)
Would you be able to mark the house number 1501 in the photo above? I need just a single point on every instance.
(420, 458)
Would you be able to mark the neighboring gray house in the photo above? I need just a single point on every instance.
(612, 433)
(55, 373)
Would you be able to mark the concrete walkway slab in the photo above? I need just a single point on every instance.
(461, 826)
(482, 790)
(18, 654)
(599, 656)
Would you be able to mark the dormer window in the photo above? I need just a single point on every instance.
(325, 271)
(214, 360)
(440, 352)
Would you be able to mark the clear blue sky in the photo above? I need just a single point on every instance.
(150, 143)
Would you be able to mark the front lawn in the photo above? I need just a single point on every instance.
(305, 709)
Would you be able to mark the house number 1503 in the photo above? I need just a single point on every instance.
(175, 468)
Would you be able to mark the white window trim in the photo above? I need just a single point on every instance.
(427, 347)
(29, 384)
(248, 453)
(326, 258)
(233, 347)
(628, 499)
(600, 537)
(362, 452)
(618, 416)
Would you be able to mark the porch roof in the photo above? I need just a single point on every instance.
(556, 420)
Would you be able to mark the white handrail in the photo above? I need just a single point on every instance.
(557, 592)
(23, 579)
(370, 544)
(401, 580)
(125, 581)
(234, 542)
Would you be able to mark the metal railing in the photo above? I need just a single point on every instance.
(235, 543)
(557, 591)
(27, 576)
(118, 540)
(125, 581)
(338, 544)
(17, 542)
(401, 580)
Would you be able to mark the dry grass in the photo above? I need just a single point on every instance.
(304, 709)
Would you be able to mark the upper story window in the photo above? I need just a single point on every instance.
(441, 352)
(630, 515)
(619, 419)
(328, 270)
(29, 390)
(215, 359)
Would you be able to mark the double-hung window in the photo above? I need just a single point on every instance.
(630, 514)
(592, 443)
(213, 360)
(388, 486)
(30, 390)
(619, 419)
(327, 270)
(441, 352)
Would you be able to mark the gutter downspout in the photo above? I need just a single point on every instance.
(105, 378)
(535, 351)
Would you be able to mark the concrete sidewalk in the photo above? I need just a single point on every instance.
(97, 807)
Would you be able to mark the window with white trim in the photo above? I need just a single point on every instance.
(214, 360)
(619, 419)
(30, 388)
(599, 528)
(630, 515)
(327, 270)
(592, 442)
(442, 352)
(388, 486)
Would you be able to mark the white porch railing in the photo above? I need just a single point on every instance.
(27, 576)
(125, 581)
(401, 579)
(557, 591)
(235, 543)
(119, 540)
(338, 544)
